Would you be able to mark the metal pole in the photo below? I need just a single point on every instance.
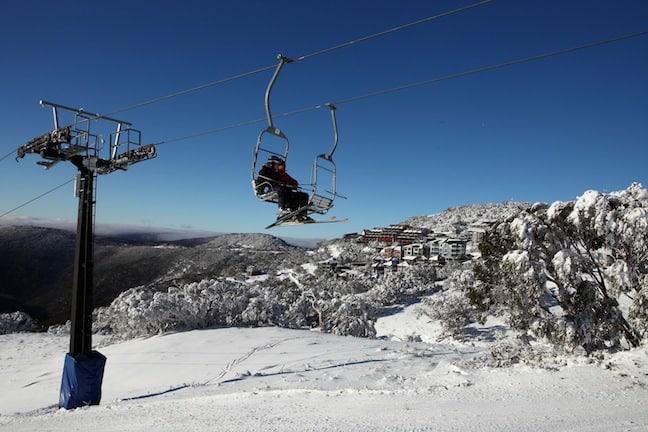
(83, 369)
(81, 328)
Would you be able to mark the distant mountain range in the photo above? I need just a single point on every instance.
(37, 265)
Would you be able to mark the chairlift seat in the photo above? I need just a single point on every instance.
(320, 204)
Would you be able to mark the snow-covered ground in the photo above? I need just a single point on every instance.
(271, 379)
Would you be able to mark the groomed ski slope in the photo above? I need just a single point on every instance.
(271, 379)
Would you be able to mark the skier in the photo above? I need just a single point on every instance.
(290, 198)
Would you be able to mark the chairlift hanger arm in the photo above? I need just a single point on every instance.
(329, 156)
(282, 61)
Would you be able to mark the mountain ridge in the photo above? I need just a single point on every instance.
(38, 262)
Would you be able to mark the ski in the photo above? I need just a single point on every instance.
(286, 220)
(331, 219)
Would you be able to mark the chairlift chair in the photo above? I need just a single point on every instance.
(273, 142)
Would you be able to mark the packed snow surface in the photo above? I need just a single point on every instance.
(272, 379)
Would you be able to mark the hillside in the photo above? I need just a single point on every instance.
(38, 262)
(545, 331)
(571, 272)
(457, 219)
(37, 265)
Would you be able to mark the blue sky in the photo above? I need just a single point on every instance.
(544, 130)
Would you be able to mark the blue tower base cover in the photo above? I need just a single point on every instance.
(82, 378)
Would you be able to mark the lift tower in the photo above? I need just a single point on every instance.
(79, 144)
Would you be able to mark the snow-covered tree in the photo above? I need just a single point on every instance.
(142, 312)
(449, 305)
(574, 272)
(16, 322)
(405, 284)
(352, 315)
